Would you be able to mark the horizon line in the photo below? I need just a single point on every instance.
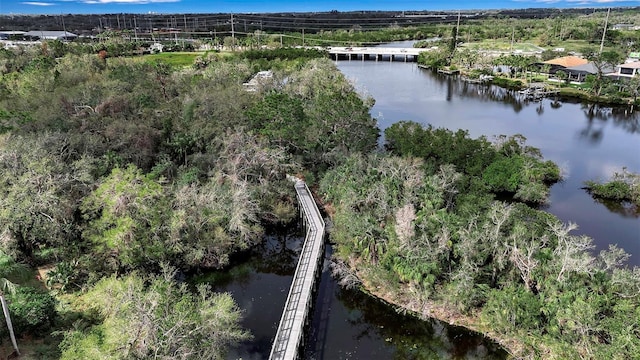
(326, 11)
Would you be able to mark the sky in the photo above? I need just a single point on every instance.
(259, 6)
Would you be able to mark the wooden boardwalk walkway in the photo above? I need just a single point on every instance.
(290, 333)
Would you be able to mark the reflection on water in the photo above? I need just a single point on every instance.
(624, 117)
(259, 282)
(412, 338)
(348, 324)
(625, 209)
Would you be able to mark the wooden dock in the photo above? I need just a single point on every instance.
(448, 72)
(375, 53)
(290, 335)
(537, 93)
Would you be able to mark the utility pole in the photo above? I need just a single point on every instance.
(604, 32)
(135, 28)
(118, 20)
(233, 34)
(302, 36)
(64, 28)
(513, 38)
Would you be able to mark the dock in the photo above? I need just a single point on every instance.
(537, 93)
(295, 316)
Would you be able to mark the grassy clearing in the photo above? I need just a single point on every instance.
(579, 45)
(501, 45)
(177, 59)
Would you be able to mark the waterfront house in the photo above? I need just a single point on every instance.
(578, 74)
(627, 70)
(563, 63)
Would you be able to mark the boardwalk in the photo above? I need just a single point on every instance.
(375, 53)
(290, 333)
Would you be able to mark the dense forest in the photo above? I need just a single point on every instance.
(118, 175)
(123, 175)
(421, 228)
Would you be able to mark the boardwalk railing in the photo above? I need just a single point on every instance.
(290, 333)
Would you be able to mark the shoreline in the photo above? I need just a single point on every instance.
(563, 93)
(425, 309)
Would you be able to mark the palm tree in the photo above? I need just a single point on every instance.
(10, 269)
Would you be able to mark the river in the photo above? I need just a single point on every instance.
(588, 143)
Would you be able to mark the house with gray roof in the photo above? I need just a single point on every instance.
(579, 73)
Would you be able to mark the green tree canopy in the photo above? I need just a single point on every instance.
(155, 317)
(127, 218)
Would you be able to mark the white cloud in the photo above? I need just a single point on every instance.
(593, 1)
(581, 2)
(37, 3)
(127, 1)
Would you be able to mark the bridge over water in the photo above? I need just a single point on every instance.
(295, 316)
(375, 53)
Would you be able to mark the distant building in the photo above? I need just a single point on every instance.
(8, 35)
(50, 35)
(625, 27)
(156, 48)
(258, 80)
(627, 70)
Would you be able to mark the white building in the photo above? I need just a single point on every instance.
(628, 70)
(156, 48)
(50, 35)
